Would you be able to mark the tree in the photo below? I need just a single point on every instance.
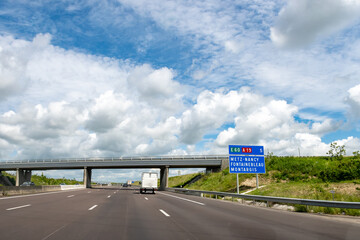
(336, 151)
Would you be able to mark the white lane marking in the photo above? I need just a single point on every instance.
(9, 209)
(114, 192)
(53, 232)
(93, 207)
(146, 198)
(89, 192)
(200, 203)
(109, 196)
(71, 196)
(165, 213)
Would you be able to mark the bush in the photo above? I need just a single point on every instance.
(348, 169)
(336, 151)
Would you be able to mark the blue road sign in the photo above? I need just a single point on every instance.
(247, 164)
(246, 150)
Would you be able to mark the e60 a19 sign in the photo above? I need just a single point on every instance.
(251, 161)
(246, 150)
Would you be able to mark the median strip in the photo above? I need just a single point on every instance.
(9, 209)
(165, 213)
(93, 207)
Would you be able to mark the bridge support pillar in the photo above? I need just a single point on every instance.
(22, 176)
(224, 164)
(212, 169)
(164, 175)
(87, 177)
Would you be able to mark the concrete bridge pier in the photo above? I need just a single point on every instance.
(87, 177)
(22, 176)
(212, 170)
(164, 175)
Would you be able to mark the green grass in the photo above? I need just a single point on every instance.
(344, 191)
(178, 181)
(43, 180)
(222, 181)
(295, 177)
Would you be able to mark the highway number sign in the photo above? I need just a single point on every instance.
(246, 150)
(252, 159)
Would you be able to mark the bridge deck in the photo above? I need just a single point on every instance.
(122, 162)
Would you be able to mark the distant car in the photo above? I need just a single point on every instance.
(125, 185)
(27, 184)
(62, 183)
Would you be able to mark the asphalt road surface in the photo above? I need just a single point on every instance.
(112, 213)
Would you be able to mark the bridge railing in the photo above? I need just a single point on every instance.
(270, 200)
(112, 159)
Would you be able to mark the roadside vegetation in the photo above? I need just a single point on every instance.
(322, 178)
(43, 180)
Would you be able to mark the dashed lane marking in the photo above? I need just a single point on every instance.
(93, 207)
(165, 213)
(9, 209)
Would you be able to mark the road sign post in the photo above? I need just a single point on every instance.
(246, 159)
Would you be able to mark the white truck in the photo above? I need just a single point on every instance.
(149, 182)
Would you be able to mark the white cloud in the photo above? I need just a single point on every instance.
(210, 112)
(94, 106)
(354, 101)
(233, 46)
(268, 119)
(324, 127)
(157, 87)
(302, 22)
(109, 110)
(13, 63)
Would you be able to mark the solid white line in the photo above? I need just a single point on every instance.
(93, 207)
(71, 196)
(163, 212)
(183, 199)
(9, 209)
(146, 198)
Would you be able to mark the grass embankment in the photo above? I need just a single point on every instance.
(296, 177)
(180, 181)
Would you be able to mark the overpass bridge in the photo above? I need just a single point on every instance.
(23, 168)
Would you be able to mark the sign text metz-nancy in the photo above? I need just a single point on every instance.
(253, 162)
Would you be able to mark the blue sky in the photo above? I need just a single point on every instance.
(122, 78)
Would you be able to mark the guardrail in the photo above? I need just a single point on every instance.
(113, 159)
(269, 200)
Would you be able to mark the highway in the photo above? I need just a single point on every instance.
(115, 213)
